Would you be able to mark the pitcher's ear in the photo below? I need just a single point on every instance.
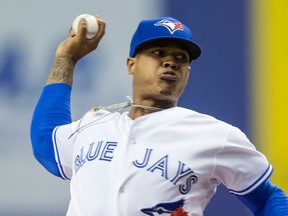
(131, 65)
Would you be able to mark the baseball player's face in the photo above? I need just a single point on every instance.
(160, 71)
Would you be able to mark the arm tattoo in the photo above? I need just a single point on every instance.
(62, 70)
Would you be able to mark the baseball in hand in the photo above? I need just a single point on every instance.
(92, 25)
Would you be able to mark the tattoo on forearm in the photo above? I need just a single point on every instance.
(62, 70)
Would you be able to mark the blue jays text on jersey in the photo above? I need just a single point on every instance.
(103, 151)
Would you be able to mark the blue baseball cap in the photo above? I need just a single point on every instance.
(163, 28)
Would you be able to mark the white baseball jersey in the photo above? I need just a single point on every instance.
(158, 164)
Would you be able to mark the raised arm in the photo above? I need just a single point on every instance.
(53, 107)
(70, 51)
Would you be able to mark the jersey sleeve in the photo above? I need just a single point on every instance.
(63, 144)
(239, 166)
(52, 111)
(266, 200)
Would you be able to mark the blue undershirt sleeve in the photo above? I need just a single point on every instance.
(53, 109)
(266, 200)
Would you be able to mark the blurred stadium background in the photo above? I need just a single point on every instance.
(240, 78)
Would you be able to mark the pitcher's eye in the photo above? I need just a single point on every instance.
(159, 53)
(182, 57)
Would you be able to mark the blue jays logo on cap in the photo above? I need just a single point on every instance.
(175, 208)
(172, 26)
